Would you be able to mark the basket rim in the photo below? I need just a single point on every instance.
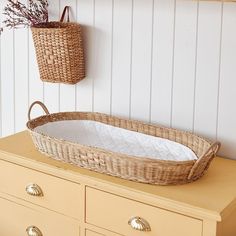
(50, 118)
(65, 24)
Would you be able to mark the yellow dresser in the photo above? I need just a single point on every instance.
(43, 197)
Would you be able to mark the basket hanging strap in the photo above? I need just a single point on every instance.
(66, 9)
(205, 160)
(40, 104)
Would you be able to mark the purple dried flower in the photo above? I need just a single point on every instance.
(18, 14)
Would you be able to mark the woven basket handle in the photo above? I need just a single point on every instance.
(40, 104)
(66, 9)
(205, 159)
(213, 149)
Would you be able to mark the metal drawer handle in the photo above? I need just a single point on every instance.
(33, 231)
(139, 223)
(34, 190)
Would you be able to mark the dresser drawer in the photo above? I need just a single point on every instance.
(113, 213)
(15, 219)
(91, 233)
(57, 194)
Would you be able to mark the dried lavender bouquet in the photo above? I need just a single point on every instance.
(19, 15)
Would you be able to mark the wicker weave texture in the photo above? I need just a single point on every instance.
(59, 51)
(146, 170)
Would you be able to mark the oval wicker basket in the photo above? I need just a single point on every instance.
(146, 170)
(59, 51)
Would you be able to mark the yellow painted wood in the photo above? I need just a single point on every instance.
(209, 228)
(228, 226)
(210, 200)
(91, 233)
(116, 212)
(58, 194)
(98, 230)
(15, 218)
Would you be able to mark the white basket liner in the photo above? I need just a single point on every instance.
(96, 134)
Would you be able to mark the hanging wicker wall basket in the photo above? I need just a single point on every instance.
(59, 51)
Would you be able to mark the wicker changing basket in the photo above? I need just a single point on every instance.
(59, 51)
(146, 170)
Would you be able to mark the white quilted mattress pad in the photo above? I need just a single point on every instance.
(96, 134)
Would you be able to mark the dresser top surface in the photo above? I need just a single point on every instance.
(215, 192)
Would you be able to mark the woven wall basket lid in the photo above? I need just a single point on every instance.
(145, 169)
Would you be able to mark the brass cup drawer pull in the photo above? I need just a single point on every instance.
(33, 231)
(34, 190)
(139, 223)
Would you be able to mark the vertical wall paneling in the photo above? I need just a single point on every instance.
(227, 93)
(208, 51)
(141, 59)
(36, 86)
(7, 81)
(122, 28)
(21, 77)
(103, 52)
(170, 62)
(85, 17)
(68, 92)
(184, 64)
(1, 7)
(163, 37)
(51, 90)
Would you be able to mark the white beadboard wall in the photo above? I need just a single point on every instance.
(171, 62)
